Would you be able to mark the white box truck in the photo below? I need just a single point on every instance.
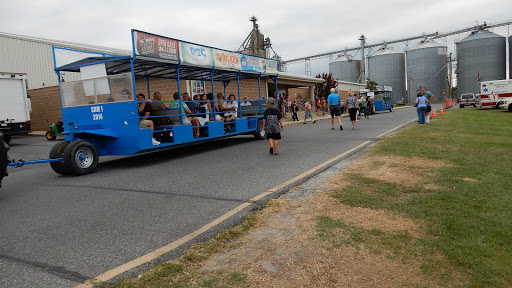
(15, 106)
(494, 92)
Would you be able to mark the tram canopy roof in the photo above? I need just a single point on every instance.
(159, 68)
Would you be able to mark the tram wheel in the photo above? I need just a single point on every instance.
(58, 152)
(81, 157)
(260, 134)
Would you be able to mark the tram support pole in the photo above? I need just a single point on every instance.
(179, 90)
(213, 95)
(259, 92)
(238, 84)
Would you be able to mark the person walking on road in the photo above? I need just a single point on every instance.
(273, 125)
(353, 107)
(323, 102)
(318, 106)
(308, 114)
(428, 96)
(367, 108)
(421, 107)
(295, 109)
(333, 104)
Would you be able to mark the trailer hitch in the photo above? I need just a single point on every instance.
(17, 164)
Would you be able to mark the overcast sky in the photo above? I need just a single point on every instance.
(296, 28)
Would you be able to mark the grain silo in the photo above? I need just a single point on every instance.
(345, 68)
(426, 67)
(481, 56)
(387, 67)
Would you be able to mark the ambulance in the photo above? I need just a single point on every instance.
(494, 93)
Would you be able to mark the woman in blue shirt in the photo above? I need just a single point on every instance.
(421, 107)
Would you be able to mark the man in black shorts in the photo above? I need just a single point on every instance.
(333, 104)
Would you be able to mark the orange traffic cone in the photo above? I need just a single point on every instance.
(433, 112)
(442, 111)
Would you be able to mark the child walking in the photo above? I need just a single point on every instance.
(272, 125)
(368, 108)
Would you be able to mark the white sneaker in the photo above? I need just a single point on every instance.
(155, 142)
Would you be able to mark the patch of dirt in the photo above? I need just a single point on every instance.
(467, 179)
(284, 250)
(366, 218)
(394, 169)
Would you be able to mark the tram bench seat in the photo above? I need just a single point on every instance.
(173, 119)
(252, 110)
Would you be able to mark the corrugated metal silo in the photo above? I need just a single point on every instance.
(345, 68)
(426, 67)
(387, 67)
(480, 57)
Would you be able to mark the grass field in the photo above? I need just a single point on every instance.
(451, 178)
(465, 202)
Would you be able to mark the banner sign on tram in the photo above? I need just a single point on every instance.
(225, 59)
(251, 63)
(156, 46)
(150, 45)
(196, 54)
(270, 66)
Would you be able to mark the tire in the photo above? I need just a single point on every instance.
(7, 138)
(510, 107)
(50, 136)
(4, 159)
(81, 157)
(58, 152)
(461, 106)
(260, 134)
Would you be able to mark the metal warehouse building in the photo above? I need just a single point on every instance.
(34, 57)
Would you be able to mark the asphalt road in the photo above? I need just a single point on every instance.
(58, 231)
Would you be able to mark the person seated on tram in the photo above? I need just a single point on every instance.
(220, 111)
(157, 96)
(184, 110)
(219, 107)
(125, 94)
(191, 104)
(144, 111)
(245, 102)
(197, 97)
(232, 106)
(204, 107)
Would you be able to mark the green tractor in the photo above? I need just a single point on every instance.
(56, 129)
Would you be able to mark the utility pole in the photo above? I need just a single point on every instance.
(363, 64)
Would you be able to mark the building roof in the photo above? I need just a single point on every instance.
(70, 45)
(290, 76)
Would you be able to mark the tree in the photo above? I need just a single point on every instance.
(324, 89)
(454, 91)
(371, 85)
